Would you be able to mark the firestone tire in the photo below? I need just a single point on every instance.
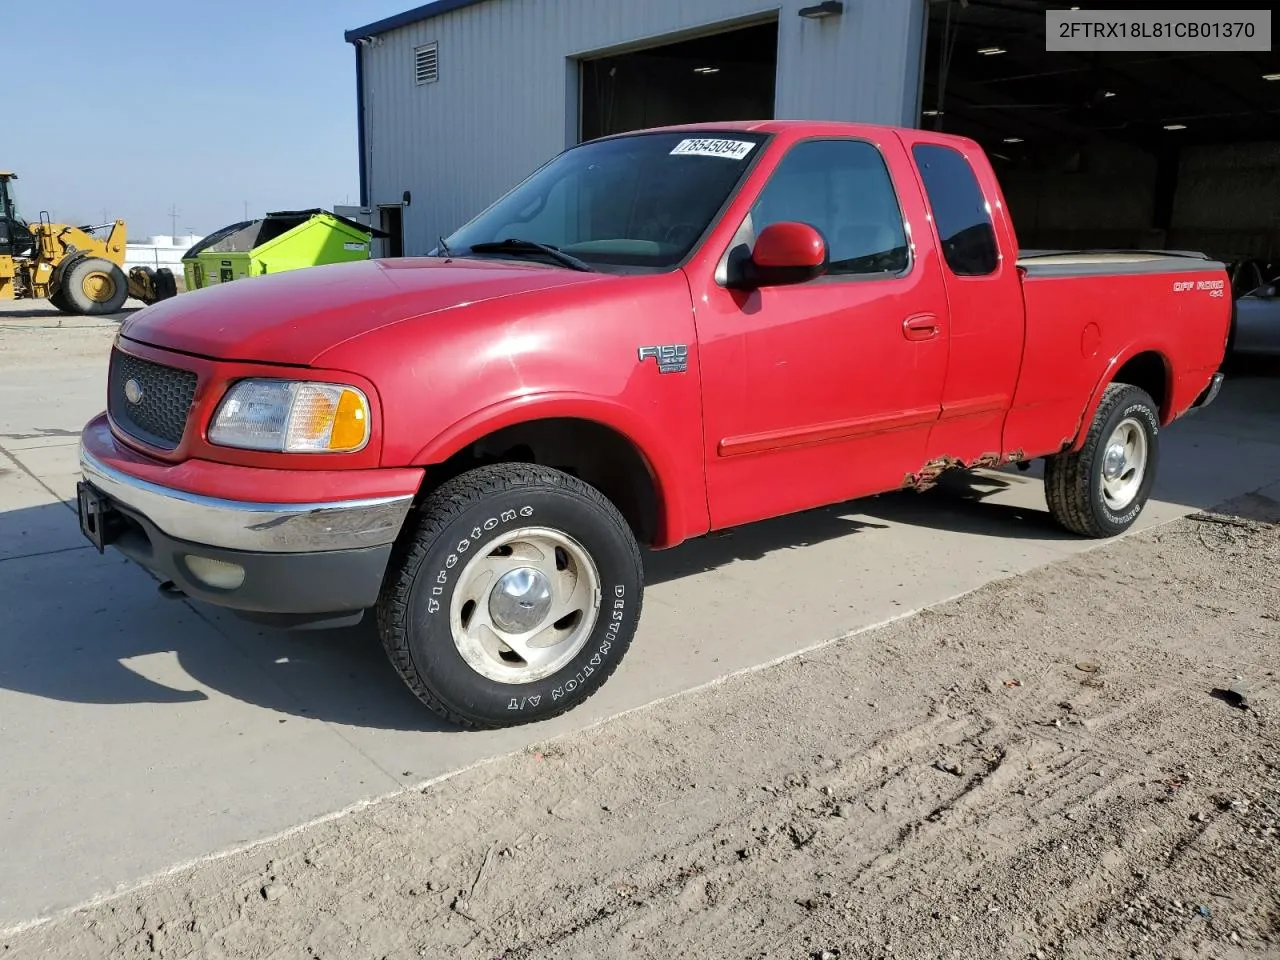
(1101, 490)
(512, 596)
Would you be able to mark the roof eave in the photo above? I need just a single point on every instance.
(418, 14)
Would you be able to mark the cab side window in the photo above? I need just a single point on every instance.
(15, 239)
(960, 211)
(843, 189)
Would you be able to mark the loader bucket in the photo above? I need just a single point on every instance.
(151, 286)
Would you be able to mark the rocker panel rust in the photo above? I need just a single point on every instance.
(928, 474)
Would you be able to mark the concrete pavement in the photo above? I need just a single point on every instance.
(139, 732)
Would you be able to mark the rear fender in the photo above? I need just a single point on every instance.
(1108, 376)
(674, 525)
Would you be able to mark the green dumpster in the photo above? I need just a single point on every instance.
(285, 240)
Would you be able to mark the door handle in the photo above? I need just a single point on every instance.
(924, 326)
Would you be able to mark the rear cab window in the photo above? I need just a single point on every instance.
(960, 211)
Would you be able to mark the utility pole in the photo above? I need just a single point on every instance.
(173, 217)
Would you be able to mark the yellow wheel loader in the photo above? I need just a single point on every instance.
(77, 269)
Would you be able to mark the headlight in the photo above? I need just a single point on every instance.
(291, 416)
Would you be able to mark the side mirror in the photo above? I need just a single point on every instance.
(1266, 292)
(785, 253)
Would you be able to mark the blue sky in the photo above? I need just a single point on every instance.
(131, 108)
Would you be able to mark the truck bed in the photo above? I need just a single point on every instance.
(1086, 310)
(1098, 263)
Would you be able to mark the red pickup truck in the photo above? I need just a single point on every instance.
(654, 336)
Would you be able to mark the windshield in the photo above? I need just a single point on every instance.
(637, 202)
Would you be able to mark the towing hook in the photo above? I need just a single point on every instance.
(170, 591)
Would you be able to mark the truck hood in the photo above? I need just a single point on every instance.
(292, 318)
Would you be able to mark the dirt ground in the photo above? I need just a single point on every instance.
(32, 332)
(1052, 766)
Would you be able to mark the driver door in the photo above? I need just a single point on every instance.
(823, 391)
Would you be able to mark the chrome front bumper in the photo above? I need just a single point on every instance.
(258, 527)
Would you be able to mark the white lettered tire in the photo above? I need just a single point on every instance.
(1101, 490)
(512, 597)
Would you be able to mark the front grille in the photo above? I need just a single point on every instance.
(163, 399)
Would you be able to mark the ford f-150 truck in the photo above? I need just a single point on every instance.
(654, 336)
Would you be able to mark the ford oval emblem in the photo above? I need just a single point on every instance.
(133, 391)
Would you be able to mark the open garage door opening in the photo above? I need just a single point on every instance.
(1115, 150)
(730, 75)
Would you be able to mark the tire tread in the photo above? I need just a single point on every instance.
(439, 509)
(74, 297)
(1066, 475)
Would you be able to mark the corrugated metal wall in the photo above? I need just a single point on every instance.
(1228, 200)
(1103, 196)
(506, 98)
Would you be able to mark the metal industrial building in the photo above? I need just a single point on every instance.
(460, 99)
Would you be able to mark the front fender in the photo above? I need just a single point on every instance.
(681, 515)
(60, 271)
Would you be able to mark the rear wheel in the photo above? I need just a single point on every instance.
(512, 597)
(1101, 490)
(94, 286)
(166, 285)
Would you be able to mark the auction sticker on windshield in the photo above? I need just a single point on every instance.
(729, 149)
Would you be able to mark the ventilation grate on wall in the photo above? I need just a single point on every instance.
(426, 67)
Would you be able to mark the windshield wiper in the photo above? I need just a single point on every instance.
(516, 245)
(444, 247)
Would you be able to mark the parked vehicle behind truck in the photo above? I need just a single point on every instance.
(1255, 327)
(654, 336)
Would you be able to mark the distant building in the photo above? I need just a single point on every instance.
(460, 99)
(161, 250)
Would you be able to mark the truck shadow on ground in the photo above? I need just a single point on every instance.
(957, 504)
(78, 627)
(84, 628)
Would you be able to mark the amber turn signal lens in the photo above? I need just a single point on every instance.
(350, 422)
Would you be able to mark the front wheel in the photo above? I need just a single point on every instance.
(1100, 490)
(59, 300)
(94, 286)
(512, 597)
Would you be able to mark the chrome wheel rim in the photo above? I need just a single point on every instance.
(525, 607)
(1124, 464)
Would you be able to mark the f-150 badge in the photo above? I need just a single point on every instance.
(671, 357)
